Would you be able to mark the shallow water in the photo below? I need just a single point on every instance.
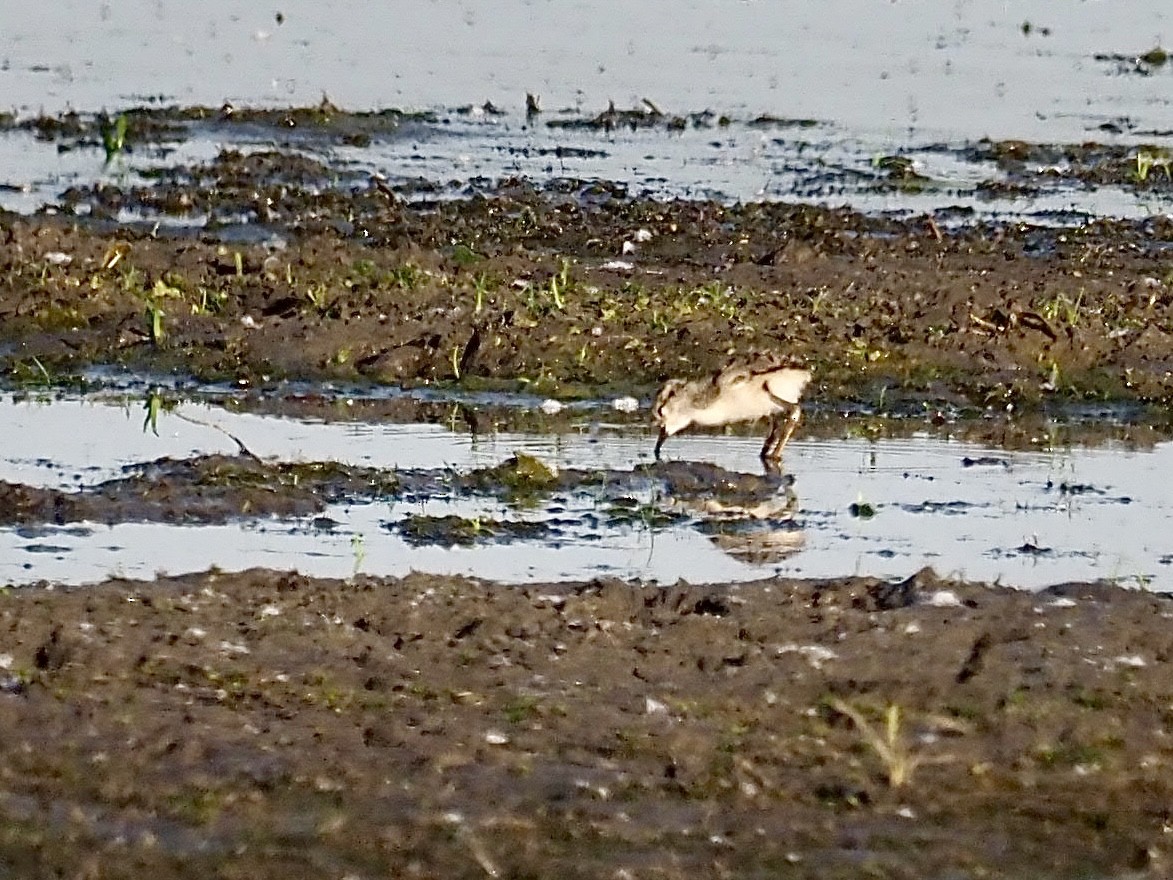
(1025, 519)
(964, 69)
(735, 164)
(873, 78)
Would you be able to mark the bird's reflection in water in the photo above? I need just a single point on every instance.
(752, 518)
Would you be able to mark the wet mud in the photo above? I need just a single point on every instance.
(220, 489)
(211, 270)
(529, 289)
(260, 723)
(212, 489)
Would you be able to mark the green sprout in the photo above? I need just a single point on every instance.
(210, 301)
(155, 315)
(556, 292)
(113, 136)
(1062, 308)
(359, 548)
(407, 277)
(480, 286)
(318, 295)
(152, 406)
(1146, 161)
(897, 758)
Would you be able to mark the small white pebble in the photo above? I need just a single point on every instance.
(496, 738)
(270, 611)
(944, 599)
(57, 258)
(911, 629)
(1133, 660)
(1063, 602)
(816, 655)
(194, 632)
(5, 661)
(628, 247)
(617, 266)
(551, 407)
(249, 322)
(642, 235)
(906, 813)
(625, 404)
(230, 648)
(654, 707)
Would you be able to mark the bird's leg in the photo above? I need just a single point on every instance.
(660, 441)
(769, 448)
(780, 433)
(791, 424)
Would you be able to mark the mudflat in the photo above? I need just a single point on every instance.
(258, 723)
(572, 288)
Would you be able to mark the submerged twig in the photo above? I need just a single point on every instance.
(244, 450)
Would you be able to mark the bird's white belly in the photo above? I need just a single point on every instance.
(737, 404)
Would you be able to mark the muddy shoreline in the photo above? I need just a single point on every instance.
(258, 723)
(576, 287)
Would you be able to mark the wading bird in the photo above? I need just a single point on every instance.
(766, 387)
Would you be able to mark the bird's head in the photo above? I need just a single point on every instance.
(671, 410)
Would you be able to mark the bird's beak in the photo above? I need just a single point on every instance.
(660, 441)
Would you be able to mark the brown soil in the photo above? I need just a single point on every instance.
(268, 724)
